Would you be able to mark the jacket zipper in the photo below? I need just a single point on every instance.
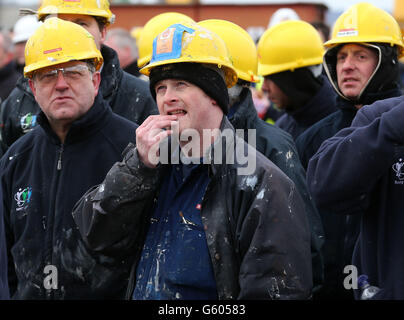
(59, 165)
(52, 215)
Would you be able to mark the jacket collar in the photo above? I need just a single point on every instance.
(223, 150)
(318, 107)
(94, 120)
(111, 74)
(246, 114)
(348, 105)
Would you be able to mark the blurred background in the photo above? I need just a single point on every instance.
(253, 15)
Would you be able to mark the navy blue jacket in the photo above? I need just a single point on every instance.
(4, 292)
(360, 171)
(309, 141)
(41, 180)
(340, 232)
(320, 105)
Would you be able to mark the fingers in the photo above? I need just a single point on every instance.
(157, 121)
(149, 135)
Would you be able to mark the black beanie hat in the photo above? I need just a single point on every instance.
(209, 80)
(299, 85)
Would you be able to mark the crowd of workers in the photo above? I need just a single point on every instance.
(184, 160)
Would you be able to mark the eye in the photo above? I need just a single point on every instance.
(181, 84)
(81, 23)
(47, 76)
(72, 73)
(341, 57)
(159, 88)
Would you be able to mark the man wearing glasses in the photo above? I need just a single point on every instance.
(127, 95)
(46, 171)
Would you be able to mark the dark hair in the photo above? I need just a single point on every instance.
(323, 28)
(101, 21)
(91, 65)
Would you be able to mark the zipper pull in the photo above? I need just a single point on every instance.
(59, 166)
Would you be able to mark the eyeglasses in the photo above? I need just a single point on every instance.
(71, 73)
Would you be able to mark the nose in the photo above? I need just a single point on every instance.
(169, 95)
(61, 83)
(348, 62)
(266, 86)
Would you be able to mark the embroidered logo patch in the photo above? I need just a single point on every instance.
(28, 122)
(398, 169)
(23, 197)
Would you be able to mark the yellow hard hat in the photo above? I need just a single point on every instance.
(152, 28)
(189, 42)
(58, 41)
(364, 22)
(287, 46)
(240, 45)
(96, 8)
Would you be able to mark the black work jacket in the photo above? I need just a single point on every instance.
(256, 227)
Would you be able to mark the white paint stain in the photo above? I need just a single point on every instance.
(251, 181)
(260, 194)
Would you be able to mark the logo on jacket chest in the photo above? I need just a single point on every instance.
(399, 171)
(28, 122)
(22, 198)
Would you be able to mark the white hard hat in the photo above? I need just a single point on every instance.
(282, 14)
(25, 27)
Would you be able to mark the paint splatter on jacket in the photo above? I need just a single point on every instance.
(255, 225)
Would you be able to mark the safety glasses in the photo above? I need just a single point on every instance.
(71, 73)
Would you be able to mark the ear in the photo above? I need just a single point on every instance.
(103, 34)
(214, 103)
(32, 86)
(96, 81)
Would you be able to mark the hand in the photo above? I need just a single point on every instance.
(148, 137)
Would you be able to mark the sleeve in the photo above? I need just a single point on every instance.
(4, 125)
(4, 290)
(8, 233)
(347, 166)
(111, 216)
(285, 157)
(275, 243)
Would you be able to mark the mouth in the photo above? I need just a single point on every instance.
(349, 81)
(61, 99)
(178, 112)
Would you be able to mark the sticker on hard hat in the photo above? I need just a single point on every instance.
(168, 44)
(52, 50)
(347, 33)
